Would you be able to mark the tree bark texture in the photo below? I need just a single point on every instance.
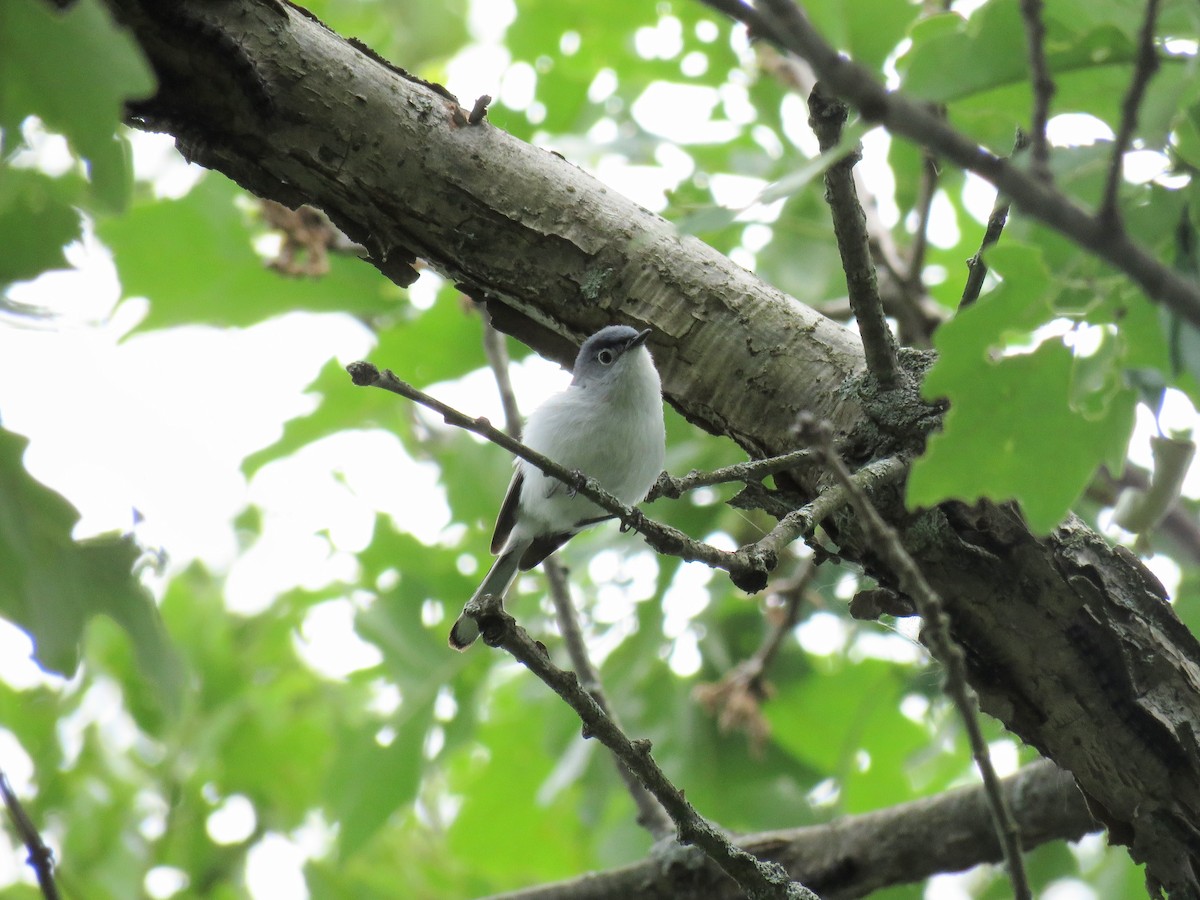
(1069, 642)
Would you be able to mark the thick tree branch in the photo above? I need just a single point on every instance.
(759, 880)
(856, 855)
(1070, 642)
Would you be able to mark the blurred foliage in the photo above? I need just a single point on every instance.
(457, 776)
(72, 71)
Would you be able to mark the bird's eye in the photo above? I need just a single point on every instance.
(606, 357)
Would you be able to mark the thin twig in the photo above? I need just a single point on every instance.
(497, 357)
(929, 181)
(750, 471)
(941, 645)
(793, 592)
(661, 537)
(650, 813)
(748, 566)
(786, 26)
(1143, 70)
(41, 857)
(736, 699)
(758, 879)
(827, 116)
(1043, 85)
(977, 266)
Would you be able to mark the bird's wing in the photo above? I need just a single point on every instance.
(543, 546)
(508, 512)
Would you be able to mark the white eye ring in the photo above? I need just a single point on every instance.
(606, 357)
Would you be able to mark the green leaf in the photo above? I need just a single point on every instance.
(111, 170)
(989, 51)
(37, 220)
(404, 348)
(858, 708)
(74, 70)
(501, 817)
(53, 584)
(1028, 426)
(193, 259)
(368, 781)
(868, 30)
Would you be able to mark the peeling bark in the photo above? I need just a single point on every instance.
(1070, 642)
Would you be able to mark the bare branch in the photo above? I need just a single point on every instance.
(758, 879)
(783, 23)
(1143, 70)
(748, 566)
(736, 699)
(940, 643)
(650, 813)
(1043, 85)
(854, 856)
(750, 471)
(976, 266)
(497, 357)
(929, 183)
(904, 299)
(827, 116)
(41, 857)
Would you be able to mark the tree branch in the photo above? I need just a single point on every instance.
(930, 171)
(904, 296)
(783, 23)
(736, 699)
(748, 566)
(41, 857)
(827, 116)
(1043, 86)
(750, 471)
(497, 357)
(650, 813)
(856, 855)
(1071, 641)
(1143, 70)
(764, 881)
(943, 647)
(977, 266)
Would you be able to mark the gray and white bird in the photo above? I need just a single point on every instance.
(608, 424)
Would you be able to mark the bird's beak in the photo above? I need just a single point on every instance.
(639, 340)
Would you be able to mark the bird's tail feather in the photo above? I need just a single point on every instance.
(496, 583)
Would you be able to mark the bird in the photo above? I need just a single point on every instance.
(607, 424)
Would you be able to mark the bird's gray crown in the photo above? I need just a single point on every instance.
(604, 347)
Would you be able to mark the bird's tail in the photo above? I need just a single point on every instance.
(496, 583)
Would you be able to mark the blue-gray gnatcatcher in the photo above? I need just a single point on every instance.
(607, 424)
